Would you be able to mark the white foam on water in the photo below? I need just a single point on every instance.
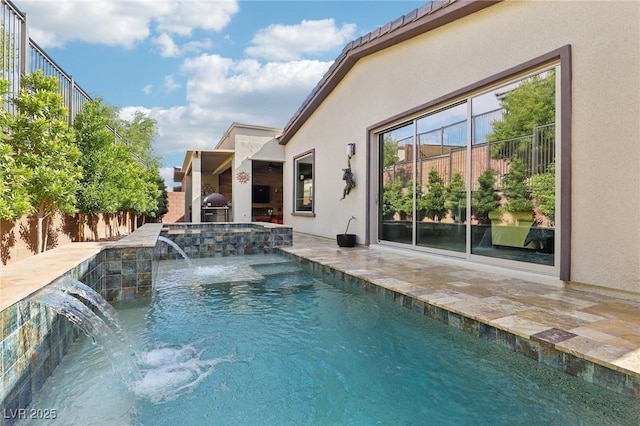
(169, 372)
(210, 270)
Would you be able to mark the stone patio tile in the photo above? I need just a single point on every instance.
(592, 334)
(629, 361)
(519, 326)
(477, 309)
(579, 345)
(564, 297)
(551, 317)
(608, 352)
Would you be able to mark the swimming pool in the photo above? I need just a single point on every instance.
(264, 340)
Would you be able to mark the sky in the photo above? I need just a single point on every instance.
(197, 66)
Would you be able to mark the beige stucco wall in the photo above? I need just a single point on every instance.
(605, 44)
(246, 145)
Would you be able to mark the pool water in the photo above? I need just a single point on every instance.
(263, 340)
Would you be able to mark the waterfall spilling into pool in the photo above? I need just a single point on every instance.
(74, 300)
(159, 373)
(176, 247)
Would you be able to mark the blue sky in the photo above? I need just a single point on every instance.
(196, 66)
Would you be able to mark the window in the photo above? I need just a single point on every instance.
(493, 151)
(303, 183)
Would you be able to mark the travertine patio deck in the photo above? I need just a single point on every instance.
(562, 327)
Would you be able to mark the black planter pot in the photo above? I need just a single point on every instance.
(346, 240)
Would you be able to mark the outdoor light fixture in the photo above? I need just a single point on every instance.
(351, 149)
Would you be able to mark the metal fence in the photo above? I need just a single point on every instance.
(13, 30)
(22, 55)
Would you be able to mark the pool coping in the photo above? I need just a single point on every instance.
(555, 347)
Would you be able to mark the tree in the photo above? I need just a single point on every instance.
(543, 189)
(139, 134)
(100, 187)
(485, 199)
(163, 204)
(434, 200)
(44, 146)
(408, 195)
(456, 196)
(392, 198)
(389, 151)
(530, 104)
(14, 198)
(515, 188)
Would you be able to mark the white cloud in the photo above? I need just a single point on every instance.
(188, 15)
(167, 175)
(147, 89)
(248, 90)
(168, 48)
(170, 84)
(221, 90)
(119, 22)
(292, 42)
(128, 113)
(197, 46)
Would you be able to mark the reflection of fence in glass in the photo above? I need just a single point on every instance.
(482, 125)
(537, 151)
(454, 134)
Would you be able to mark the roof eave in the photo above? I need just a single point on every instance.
(420, 21)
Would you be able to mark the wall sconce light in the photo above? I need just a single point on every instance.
(351, 149)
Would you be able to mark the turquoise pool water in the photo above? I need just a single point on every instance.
(260, 340)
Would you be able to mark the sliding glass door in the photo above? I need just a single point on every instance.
(397, 192)
(476, 178)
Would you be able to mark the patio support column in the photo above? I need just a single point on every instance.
(196, 187)
(187, 197)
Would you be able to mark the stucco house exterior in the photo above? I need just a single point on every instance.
(245, 167)
(423, 112)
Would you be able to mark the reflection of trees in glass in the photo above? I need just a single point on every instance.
(543, 189)
(389, 151)
(456, 197)
(433, 202)
(530, 104)
(407, 198)
(485, 199)
(515, 187)
(392, 198)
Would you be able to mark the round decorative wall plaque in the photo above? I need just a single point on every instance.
(243, 176)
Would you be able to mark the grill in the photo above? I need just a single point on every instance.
(214, 200)
(215, 208)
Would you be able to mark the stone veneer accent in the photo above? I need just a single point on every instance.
(223, 239)
(34, 341)
(34, 338)
(541, 346)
